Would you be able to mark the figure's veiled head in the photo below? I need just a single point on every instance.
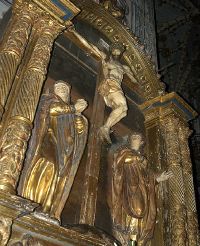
(62, 89)
(116, 50)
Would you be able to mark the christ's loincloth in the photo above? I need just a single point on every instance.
(108, 87)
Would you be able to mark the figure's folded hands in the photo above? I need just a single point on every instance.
(80, 105)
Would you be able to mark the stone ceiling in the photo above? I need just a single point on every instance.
(178, 35)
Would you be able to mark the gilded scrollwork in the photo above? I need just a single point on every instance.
(5, 230)
(24, 14)
(18, 35)
(46, 30)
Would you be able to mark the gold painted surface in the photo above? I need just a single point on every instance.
(33, 68)
(80, 125)
(177, 229)
(57, 12)
(157, 163)
(16, 132)
(13, 47)
(26, 239)
(131, 196)
(193, 232)
(111, 6)
(36, 69)
(167, 98)
(5, 230)
(176, 195)
(16, 135)
(192, 223)
(13, 146)
(179, 205)
(48, 233)
(56, 147)
(20, 212)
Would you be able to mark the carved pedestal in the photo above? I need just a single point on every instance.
(166, 125)
(20, 224)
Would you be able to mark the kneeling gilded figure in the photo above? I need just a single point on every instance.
(132, 193)
(55, 150)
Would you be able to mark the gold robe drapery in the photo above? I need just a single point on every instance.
(55, 150)
(131, 197)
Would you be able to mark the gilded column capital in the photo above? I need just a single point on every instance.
(17, 37)
(163, 106)
(47, 24)
(46, 30)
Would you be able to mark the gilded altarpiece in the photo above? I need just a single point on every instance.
(32, 58)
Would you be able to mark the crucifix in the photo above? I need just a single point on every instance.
(108, 90)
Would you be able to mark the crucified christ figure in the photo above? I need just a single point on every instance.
(110, 88)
